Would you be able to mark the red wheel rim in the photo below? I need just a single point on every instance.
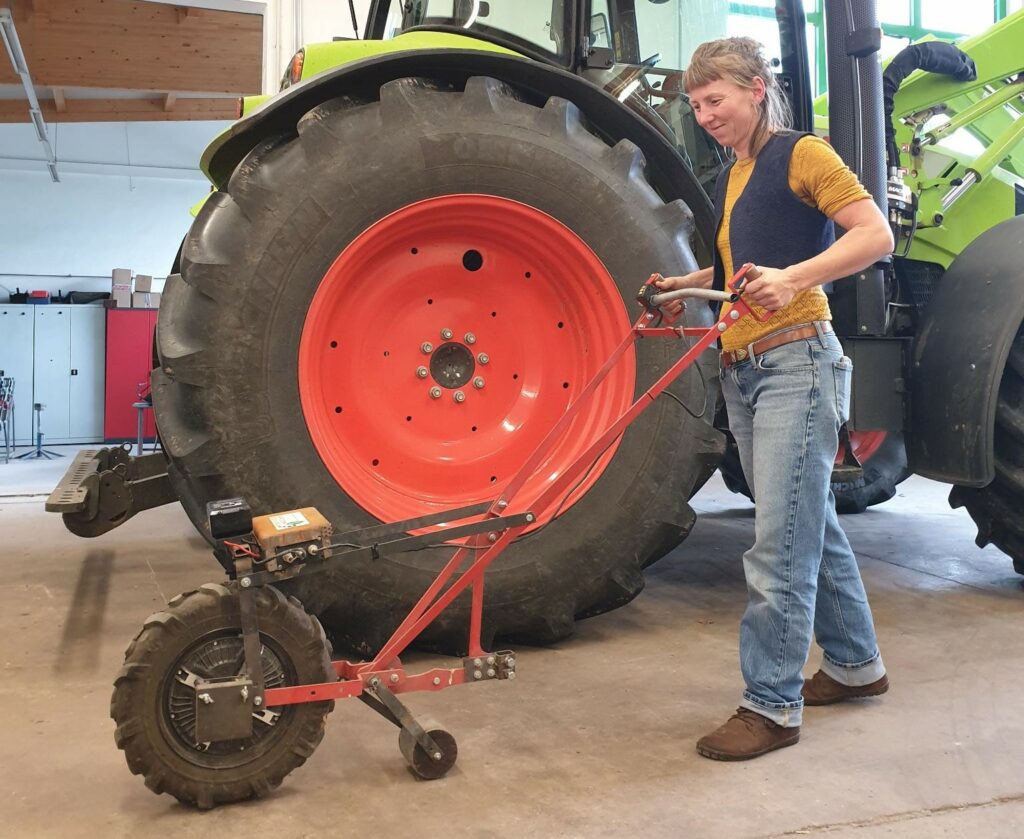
(864, 445)
(532, 314)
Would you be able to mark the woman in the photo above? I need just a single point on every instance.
(787, 390)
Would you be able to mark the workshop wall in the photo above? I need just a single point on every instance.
(122, 201)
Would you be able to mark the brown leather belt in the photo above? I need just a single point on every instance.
(776, 339)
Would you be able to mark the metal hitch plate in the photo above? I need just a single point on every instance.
(224, 709)
(499, 665)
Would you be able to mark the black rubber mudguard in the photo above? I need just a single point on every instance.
(959, 356)
(536, 82)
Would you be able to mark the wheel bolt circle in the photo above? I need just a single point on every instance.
(478, 382)
(435, 393)
(427, 347)
(422, 372)
(446, 334)
(459, 396)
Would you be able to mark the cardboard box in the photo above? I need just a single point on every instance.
(145, 300)
(121, 287)
(122, 296)
(143, 282)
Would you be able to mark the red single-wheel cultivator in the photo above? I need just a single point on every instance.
(227, 691)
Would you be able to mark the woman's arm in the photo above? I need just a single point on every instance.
(867, 239)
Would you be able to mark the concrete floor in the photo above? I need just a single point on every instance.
(594, 739)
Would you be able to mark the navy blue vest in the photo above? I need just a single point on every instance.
(769, 224)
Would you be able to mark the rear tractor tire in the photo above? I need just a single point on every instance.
(998, 509)
(383, 313)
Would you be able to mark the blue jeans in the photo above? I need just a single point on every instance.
(786, 407)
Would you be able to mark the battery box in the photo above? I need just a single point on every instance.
(292, 527)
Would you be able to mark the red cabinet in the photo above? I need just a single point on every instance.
(129, 360)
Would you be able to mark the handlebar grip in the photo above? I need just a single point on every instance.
(748, 271)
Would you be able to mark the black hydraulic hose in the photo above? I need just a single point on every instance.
(932, 57)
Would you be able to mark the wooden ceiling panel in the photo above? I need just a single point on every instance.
(121, 110)
(119, 44)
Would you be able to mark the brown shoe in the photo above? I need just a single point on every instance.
(822, 689)
(747, 734)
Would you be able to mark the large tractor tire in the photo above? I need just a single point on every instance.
(998, 509)
(383, 313)
(883, 458)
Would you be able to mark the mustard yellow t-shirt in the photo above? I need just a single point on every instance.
(819, 178)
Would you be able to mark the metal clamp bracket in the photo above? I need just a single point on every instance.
(499, 665)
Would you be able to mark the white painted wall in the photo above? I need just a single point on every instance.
(122, 201)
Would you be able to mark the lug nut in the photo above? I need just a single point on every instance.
(478, 382)
(459, 396)
(435, 393)
(470, 338)
(421, 372)
(446, 333)
(483, 358)
(427, 347)
(490, 673)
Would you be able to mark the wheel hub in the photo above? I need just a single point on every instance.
(452, 365)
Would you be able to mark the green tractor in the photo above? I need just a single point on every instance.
(419, 251)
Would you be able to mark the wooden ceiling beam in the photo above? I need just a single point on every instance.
(120, 44)
(59, 101)
(121, 110)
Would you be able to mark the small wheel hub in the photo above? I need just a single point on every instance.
(452, 365)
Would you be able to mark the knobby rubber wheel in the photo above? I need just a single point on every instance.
(997, 508)
(198, 635)
(422, 765)
(883, 457)
(304, 357)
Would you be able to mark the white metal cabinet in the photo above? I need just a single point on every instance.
(56, 356)
(16, 328)
(52, 369)
(87, 373)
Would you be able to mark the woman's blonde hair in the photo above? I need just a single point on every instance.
(740, 61)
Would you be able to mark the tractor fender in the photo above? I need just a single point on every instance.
(535, 81)
(959, 355)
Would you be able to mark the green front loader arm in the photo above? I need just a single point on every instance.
(962, 143)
